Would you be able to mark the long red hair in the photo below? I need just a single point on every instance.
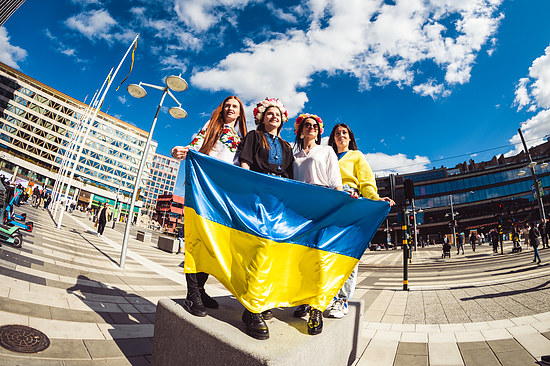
(214, 129)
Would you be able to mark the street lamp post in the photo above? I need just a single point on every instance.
(453, 219)
(534, 176)
(175, 83)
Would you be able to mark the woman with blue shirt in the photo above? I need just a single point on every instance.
(263, 151)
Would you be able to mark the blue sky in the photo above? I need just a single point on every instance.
(419, 82)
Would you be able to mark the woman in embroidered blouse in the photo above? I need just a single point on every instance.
(220, 139)
(263, 151)
(358, 180)
(314, 164)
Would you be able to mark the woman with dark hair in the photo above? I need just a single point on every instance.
(263, 151)
(314, 164)
(358, 180)
(220, 138)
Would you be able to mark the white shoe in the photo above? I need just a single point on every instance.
(338, 309)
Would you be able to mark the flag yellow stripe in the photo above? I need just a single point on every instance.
(262, 273)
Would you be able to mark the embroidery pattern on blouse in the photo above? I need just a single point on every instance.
(229, 138)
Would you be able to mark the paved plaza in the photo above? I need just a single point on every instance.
(478, 308)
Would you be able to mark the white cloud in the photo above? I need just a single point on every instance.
(122, 99)
(99, 24)
(430, 89)
(200, 15)
(534, 130)
(341, 37)
(84, 3)
(173, 62)
(10, 54)
(383, 164)
(534, 93)
(522, 94)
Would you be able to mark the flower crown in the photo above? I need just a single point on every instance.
(264, 105)
(303, 117)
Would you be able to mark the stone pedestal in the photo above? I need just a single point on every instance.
(168, 244)
(143, 236)
(220, 338)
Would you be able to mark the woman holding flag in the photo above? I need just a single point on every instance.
(263, 151)
(220, 138)
(314, 164)
(358, 180)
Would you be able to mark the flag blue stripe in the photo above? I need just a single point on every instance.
(280, 209)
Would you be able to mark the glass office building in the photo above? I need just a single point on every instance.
(37, 123)
(485, 195)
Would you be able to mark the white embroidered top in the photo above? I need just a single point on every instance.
(225, 148)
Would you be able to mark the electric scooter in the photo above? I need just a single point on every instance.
(8, 234)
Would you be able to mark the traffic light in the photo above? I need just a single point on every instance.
(411, 219)
(408, 185)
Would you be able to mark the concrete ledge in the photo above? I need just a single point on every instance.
(168, 244)
(221, 339)
(143, 236)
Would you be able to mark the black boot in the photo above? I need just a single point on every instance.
(208, 301)
(255, 325)
(315, 322)
(268, 314)
(301, 311)
(194, 305)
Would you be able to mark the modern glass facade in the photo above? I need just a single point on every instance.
(38, 122)
(485, 195)
(164, 173)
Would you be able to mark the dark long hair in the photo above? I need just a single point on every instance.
(214, 129)
(299, 142)
(332, 142)
(261, 128)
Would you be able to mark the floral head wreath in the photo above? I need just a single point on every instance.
(303, 117)
(264, 105)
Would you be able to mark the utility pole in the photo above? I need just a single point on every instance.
(534, 176)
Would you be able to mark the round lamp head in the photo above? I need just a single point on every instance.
(136, 91)
(521, 172)
(176, 83)
(544, 165)
(532, 164)
(177, 112)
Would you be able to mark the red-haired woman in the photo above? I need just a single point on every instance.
(359, 181)
(263, 151)
(220, 138)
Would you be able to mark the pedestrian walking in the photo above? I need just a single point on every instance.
(181, 236)
(494, 240)
(525, 232)
(543, 234)
(473, 239)
(102, 219)
(534, 240)
(459, 244)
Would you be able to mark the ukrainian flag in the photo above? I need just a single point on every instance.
(272, 241)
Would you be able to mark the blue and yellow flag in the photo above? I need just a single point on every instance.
(273, 241)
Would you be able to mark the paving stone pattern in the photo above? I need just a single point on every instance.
(474, 309)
